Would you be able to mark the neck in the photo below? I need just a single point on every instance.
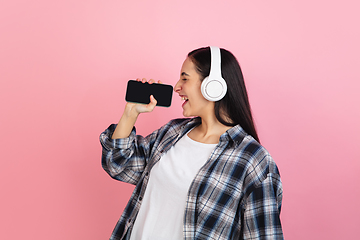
(209, 131)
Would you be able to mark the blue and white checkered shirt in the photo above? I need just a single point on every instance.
(237, 194)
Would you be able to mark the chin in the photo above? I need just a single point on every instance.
(186, 114)
(189, 115)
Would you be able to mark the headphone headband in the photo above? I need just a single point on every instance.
(215, 68)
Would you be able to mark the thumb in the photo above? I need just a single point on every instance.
(152, 103)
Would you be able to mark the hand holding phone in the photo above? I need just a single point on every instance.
(139, 92)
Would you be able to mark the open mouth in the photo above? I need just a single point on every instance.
(185, 99)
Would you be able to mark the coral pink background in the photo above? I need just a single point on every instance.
(64, 67)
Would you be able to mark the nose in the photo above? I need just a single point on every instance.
(177, 87)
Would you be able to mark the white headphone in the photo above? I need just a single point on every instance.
(214, 87)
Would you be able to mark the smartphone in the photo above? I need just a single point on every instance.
(139, 92)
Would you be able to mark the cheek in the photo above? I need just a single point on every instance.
(200, 97)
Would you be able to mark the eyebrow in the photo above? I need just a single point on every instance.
(184, 74)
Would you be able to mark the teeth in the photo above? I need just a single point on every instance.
(184, 98)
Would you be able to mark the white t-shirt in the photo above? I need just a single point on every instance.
(161, 215)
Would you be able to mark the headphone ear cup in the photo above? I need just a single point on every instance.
(213, 89)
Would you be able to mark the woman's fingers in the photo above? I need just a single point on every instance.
(143, 80)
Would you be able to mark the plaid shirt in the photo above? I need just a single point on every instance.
(237, 194)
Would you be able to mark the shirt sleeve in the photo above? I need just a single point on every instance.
(125, 159)
(262, 210)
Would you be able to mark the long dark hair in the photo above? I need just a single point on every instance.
(234, 108)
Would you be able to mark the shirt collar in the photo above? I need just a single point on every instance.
(235, 134)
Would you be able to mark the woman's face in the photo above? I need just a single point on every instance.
(189, 89)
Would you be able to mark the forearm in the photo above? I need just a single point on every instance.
(128, 119)
(125, 125)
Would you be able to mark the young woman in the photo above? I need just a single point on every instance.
(205, 176)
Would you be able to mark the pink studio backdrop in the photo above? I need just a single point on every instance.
(64, 67)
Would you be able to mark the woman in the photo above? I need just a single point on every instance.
(202, 177)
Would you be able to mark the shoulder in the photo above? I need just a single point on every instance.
(255, 159)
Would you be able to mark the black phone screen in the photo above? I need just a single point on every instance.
(139, 92)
